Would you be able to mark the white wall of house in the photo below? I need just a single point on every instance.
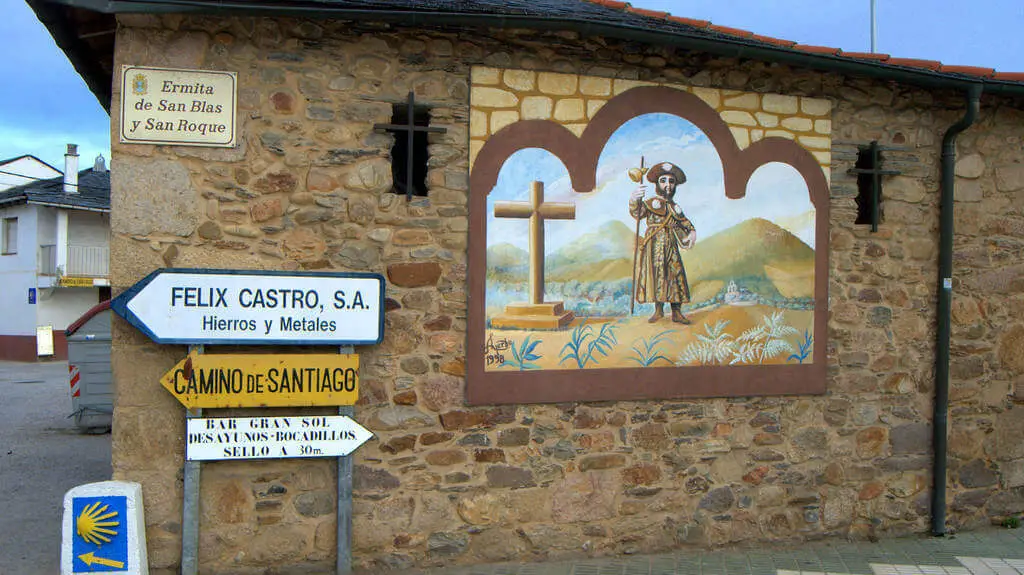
(18, 274)
(60, 307)
(29, 169)
(46, 226)
(88, 229)
(46, 235)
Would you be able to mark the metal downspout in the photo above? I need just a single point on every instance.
(940, 419)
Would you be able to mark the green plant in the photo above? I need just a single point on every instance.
(523, 356)
(647, 352)
(805, 348)
(1011, 522)
(712, 347)
(583, 344)
(764, 341)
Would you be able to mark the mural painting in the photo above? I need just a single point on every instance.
(644, 241)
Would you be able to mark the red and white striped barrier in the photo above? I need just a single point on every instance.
(74, 377)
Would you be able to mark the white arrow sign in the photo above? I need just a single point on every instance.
(256, 307)
(218, 438)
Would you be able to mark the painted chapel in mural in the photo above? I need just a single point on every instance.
(642, 240)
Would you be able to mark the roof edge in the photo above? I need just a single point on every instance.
(36, 158)
(734, 46)
(67, 206)
(78, 52)
(93, 311)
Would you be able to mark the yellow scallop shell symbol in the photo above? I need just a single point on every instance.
(93, 525)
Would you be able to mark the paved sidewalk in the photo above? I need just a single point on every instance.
(989, 551)
(42, 455)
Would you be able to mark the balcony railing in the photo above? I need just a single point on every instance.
(83, 261)
(88, 261)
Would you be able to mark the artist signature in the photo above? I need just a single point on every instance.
(493, 349)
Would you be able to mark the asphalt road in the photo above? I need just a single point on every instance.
(42, 455)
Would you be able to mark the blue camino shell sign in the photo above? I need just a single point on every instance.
(101, 538)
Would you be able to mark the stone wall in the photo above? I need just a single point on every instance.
(308, 188)
(502, 97)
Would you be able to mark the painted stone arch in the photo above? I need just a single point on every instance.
(759, 291)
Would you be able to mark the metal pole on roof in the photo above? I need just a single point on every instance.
(874, 27)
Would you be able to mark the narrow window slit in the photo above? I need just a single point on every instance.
(400, 152)
(409, 154)
(869, 186)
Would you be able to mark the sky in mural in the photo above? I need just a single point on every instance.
(776, 192)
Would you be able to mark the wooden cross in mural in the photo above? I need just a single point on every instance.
(537, 210)
(410, 128)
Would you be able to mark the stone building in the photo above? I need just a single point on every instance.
(310, 186)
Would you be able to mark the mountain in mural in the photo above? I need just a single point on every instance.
(800, 225)
(601, 255)
(757, 254)
(744, 250)
(507, 263)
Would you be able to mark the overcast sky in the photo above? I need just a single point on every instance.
(45, 105)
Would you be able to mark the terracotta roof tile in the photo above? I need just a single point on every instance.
(883, 59)
(915, 63)
(650, 13)
(867, 56)
(775, 41)
(611, 4)
(730, 31)
(817, 49)
(968, 71)
(689, 21)
(1009, 76)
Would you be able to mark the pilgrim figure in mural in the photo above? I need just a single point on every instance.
(659, 275)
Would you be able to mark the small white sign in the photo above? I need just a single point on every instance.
(217, 438)
(172, 106)
(44, 340)
(101, 530)
(256, 307)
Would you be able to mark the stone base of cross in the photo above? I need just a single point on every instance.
(536, 314)
(550, 315)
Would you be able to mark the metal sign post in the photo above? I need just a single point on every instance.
(190, 502)
(343, 564)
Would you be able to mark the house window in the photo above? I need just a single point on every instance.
(400, 151)
(10, 238)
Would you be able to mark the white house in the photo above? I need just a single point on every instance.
(25, 170)
(54, 252)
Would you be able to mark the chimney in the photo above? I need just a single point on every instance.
(71, 170)
(100, 165)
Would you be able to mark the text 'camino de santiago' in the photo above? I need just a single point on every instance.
(291, 380)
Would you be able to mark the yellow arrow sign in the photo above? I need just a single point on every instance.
(235, 380)
(90, 558)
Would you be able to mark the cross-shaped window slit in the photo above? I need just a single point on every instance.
(410, 125)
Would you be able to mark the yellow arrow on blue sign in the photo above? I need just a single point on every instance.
(90, 558)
